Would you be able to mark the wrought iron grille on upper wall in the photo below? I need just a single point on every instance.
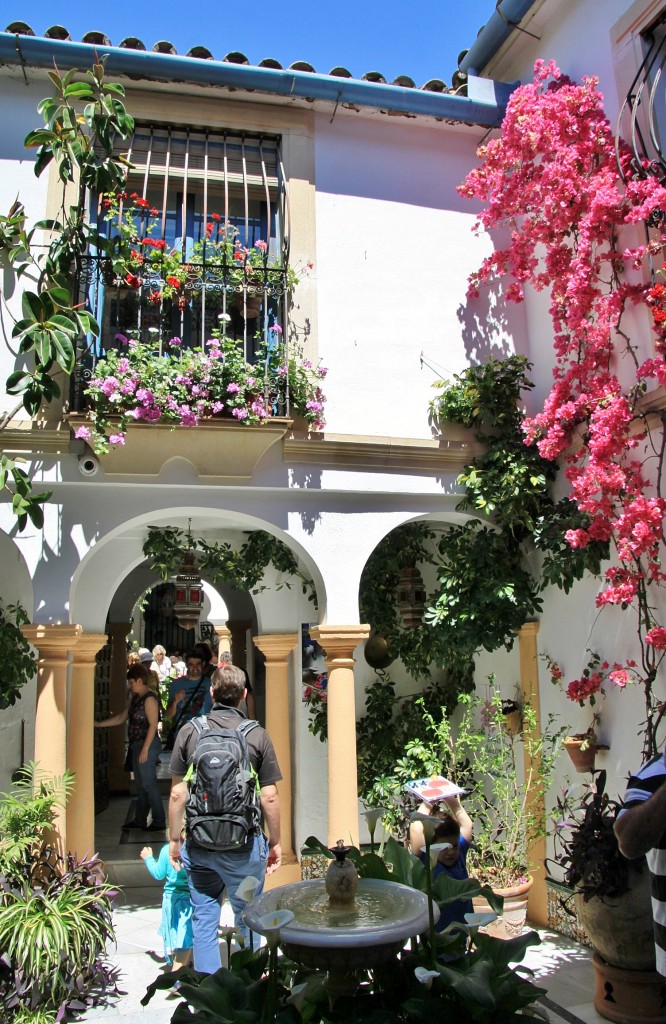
(185, 190)
(642, 120)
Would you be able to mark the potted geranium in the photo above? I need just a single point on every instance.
(582, 747)
(140, 259)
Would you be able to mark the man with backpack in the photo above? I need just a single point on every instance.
(223, 780)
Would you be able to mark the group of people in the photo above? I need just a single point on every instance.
(211, 697)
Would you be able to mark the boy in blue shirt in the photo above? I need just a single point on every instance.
(455, 830)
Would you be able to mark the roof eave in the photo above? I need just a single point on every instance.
(484, 106)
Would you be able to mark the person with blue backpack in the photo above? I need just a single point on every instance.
(223, 783)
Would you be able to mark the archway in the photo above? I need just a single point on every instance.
(107, 583)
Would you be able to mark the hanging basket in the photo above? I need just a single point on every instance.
(583, 751)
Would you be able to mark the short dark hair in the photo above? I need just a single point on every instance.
(140, 671)
(228, 683)
(204, 651)
(447, 827)
(197, 655)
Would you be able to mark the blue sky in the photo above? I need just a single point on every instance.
(390, 36)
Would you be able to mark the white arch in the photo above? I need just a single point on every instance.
(15, 584)
(105, 566)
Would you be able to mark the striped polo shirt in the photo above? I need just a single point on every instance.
(641, 787)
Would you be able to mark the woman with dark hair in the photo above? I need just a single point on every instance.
(142, 714)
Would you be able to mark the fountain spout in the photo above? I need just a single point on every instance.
(341, 877)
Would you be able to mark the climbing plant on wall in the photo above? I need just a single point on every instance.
(571, 194)
(243, 568)
(83, 119)
(18, 664)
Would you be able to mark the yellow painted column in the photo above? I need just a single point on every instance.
(339, 643)
(276, 648)
(118, 778)
(537, 901)
(223, 638)
(53, 644)
(81, 745)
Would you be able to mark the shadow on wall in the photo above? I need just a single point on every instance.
(492, 328)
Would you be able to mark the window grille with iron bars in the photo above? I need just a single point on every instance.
(187, 176)
(642, 120)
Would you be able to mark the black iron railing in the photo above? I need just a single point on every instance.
(139, 311)
(642, 120)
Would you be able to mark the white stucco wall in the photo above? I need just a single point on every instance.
(394, 253)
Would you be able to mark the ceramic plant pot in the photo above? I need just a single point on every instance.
(583, 752)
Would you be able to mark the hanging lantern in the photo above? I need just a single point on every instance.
(189, 593)
(411, 596)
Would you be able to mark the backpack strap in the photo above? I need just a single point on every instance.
(201, 723)
(246, 726)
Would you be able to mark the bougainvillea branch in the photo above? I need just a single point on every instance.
(574, 213)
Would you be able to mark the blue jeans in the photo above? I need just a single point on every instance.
(148, 796)
(208, 872)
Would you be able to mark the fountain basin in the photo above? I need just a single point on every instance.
(365, 934)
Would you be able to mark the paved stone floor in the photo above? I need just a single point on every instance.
(561, 966)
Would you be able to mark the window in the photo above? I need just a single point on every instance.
(200, 232)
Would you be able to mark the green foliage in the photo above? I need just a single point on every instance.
(507, 806)
(485, 593)
(509, 483)
(55, 911)
(27, 813)
(15, 654)
(393, 745)
(82, 120)
(221, 563)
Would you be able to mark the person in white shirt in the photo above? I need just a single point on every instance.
(160, 663)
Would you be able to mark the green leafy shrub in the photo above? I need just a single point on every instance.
(18, 664)
(55, 911)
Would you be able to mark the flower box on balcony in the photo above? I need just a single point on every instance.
(216, 448)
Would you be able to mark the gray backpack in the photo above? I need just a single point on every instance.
(222, 810)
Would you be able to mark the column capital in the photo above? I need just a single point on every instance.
(87, 646)
(52, 640)
(529, 627)
(275, 646)
(118, 629)
(340, 641)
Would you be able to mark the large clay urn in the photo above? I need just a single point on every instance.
(620, 927)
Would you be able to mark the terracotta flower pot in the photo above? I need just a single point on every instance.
(513, 721)
(512, 920)
(583, 751)
(628, 997)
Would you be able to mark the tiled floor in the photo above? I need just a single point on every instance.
(561, 966)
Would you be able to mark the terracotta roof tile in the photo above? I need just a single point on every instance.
(163, 46)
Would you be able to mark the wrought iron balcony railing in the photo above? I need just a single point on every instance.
(642, 120)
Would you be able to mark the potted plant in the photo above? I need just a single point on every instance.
(612, 900)
(582, 747)
(55, 911)
(138, 259)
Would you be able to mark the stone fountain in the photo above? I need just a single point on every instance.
(343, 923)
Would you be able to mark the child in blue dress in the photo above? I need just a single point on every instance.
(176, 924)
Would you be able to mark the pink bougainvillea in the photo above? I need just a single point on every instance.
(554, 180)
